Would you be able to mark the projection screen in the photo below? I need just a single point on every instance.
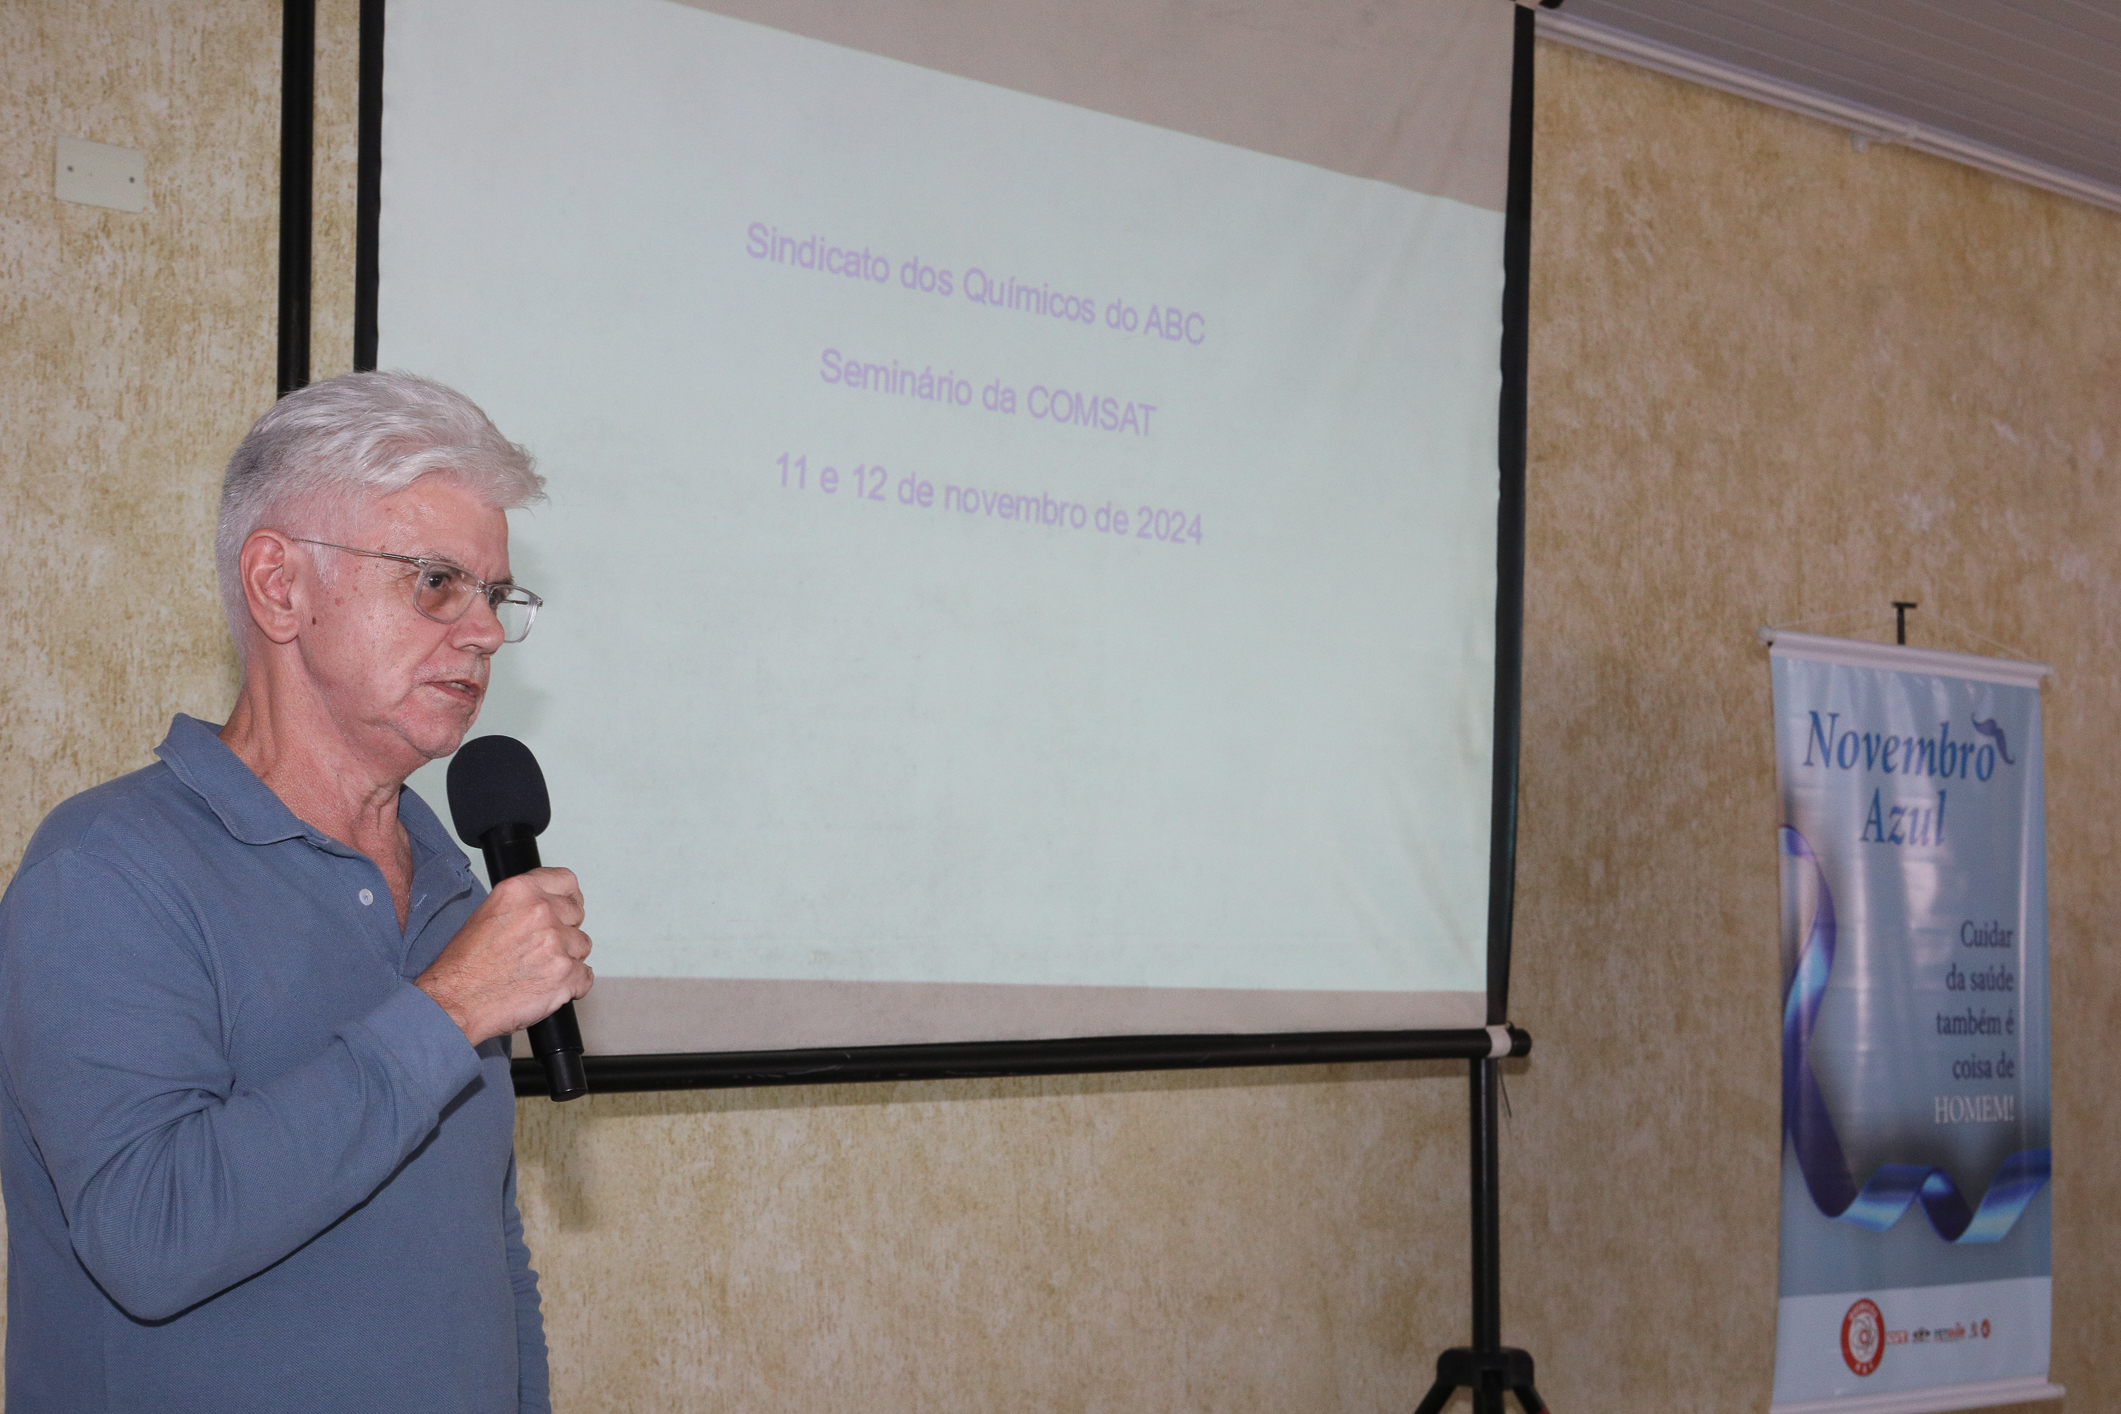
(1021, 558)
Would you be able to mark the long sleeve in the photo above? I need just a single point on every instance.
(176, 1182)
(533, 1390)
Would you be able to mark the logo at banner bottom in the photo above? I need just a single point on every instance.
(1863, 1336)
(1878, 1203)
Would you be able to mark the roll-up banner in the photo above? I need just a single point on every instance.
(1915, 1104)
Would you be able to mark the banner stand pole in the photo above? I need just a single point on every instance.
(1487, 1367)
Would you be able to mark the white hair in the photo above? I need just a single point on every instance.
(326, 450)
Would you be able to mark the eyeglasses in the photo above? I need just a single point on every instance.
(445, 592)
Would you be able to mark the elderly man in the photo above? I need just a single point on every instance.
(256, 1131)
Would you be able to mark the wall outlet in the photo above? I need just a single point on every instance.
(97, 174)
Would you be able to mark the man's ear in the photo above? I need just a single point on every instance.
(268, 569)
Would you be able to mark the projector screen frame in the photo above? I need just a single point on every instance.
(694, 1070)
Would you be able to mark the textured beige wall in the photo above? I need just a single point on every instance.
(129, 366)
(1772, 379)
(338, 142)
(1225, 1241)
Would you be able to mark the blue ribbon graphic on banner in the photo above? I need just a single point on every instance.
(1878, 1204)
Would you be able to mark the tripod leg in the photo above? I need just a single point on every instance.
(1438, 1396)
(1529, 1398)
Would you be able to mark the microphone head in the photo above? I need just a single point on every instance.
(493, 781)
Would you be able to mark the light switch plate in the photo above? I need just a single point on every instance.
(97, 174)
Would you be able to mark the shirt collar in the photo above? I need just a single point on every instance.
(250, 811)
(429, 838)
(246, 805)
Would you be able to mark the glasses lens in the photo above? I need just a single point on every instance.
(515, 611)
(445, 593)
(442, 592)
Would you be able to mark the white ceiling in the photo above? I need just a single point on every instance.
(2028, 88)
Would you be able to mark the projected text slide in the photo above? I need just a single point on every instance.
(991, 542)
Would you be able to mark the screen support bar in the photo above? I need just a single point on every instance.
(368, 186)
(298, 113)
(1487, 1367)
(1509, 523)
(994, 1059)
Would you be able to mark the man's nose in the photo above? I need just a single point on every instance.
(480, 628)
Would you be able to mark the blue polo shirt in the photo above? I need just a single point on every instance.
(248, 1165)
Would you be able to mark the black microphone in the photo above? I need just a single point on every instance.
(498, 801)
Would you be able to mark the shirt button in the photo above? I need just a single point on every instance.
(366, 898)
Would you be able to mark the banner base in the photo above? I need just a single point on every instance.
(2029, 1389)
